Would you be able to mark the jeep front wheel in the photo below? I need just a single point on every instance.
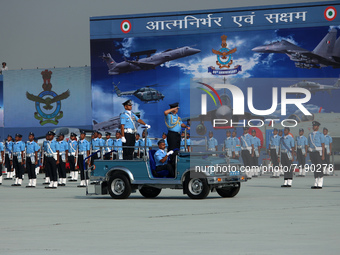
(197, 188)
(229, 191)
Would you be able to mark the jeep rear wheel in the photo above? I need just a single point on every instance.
(119, 187)
(229, 191)
(197, 188)
(149, 192)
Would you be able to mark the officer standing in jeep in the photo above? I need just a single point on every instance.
(174, 125)
(128, 129)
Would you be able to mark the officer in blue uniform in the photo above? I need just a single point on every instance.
(247, 147)
(316, 142)
(287, 149)
(63, 159)
(9, 157)
(117, 143)
(164, 137)
(142, 144)
(161, 159)
(72, 157)
(32, 149)
(236, 145)
(83, 152)
(174, 125)
(184, 142)
(108, 146)
(229, 145)
(212, 142)
(257, 147)
(52, 159)
(328, 150)
(301, 152)
(18, 159)
(273, 152)
(128, 129)
(137, 144)
(2, 158)
(95, 145)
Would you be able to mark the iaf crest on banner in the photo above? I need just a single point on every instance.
(224, 60)
(48, 103)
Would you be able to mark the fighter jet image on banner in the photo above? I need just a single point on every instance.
(148, 63)
(314, 87)
(327, 53)
(145, 94)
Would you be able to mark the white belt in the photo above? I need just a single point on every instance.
(8, 152)
(299, 146)
(82, 153)
(246, 148)
(30, 155)
(49, 155)
(17, 153)
(72, 154)
(129, 131)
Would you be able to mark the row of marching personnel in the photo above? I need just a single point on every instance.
(283, 149)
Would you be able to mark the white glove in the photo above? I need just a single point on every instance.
(123, 139)
(170, 152)
(147, 126)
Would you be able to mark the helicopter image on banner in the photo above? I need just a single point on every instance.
(146, 94)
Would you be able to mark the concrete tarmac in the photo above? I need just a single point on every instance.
(262, 219)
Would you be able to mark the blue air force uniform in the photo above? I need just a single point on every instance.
(72, 154)
(274, 149)
(31, 160)
(159, 155)
(18, 149)
(63, 150)
(246, 146)
(51, 148)
(316, 140)
(328, 142)
(142, 144)
(129, 119)
(236, 146)
(229, 146)
(212, 143)
(301, 143)
(8, 158)
(286, 146)
(108, 148)
(118, 143)
(182, 145)
(83, 149)
(174, 125)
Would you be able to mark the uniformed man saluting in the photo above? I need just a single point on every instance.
(316, 142)
(174, 124)
(128, 129)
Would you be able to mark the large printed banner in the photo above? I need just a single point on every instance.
(275, 66)
(43, 99)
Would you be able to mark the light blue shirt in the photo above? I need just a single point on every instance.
(142, 142)
(182, 148)
(51, 146)
(95, 143)
(9, 146)
(229, 143)
(31, 147)
(256, 142)
(286, 143)
(171, 120)
(301, 141)
(166, 142)
(246, 141)
(274, 141)
(137, 143)
(212, 143)
(315, 139)
(127, 120)
(83, 145)
(108, 142)
(236, 144)
(328, 140)
(160, 154)
(63, 146)
(72, 146)
(1, 147)
(118, 142)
